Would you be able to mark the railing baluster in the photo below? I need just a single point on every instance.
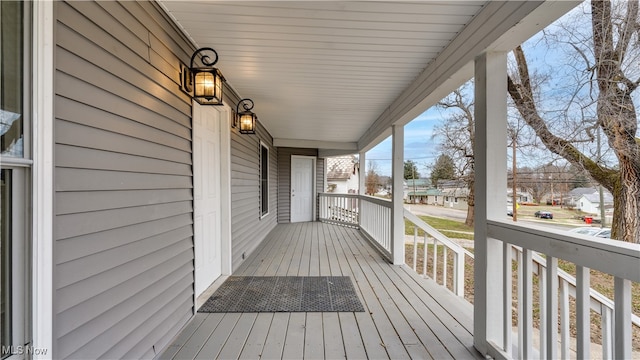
(435, 260)
(622, 321)
(520, 307)
(527, 300)
(458, 273)
(424, 263)
(445, 265)
(551, 321)
(507, 280)
(583, 312)
(415, 247)
(564, 319)
(607, 333)
(542, 307)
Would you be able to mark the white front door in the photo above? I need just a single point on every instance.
(302, 188)
(206, 194)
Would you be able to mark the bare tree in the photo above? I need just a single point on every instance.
(372, 179)
(458, 139)
(606, 59)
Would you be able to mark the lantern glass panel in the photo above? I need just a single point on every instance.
(204, 85)
(246, 122)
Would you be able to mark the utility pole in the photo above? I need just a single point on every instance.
(514, 186)
(601, 190)
(415, 195)
(551, 179)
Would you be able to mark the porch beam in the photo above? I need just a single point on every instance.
(490, 181)
(352, 147)
(397, 174)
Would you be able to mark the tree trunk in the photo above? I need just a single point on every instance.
(626, 198)
(616, 114)
(470, 203)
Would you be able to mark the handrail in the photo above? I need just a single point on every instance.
(613, 257)
(458, 251)
(585, 246)
(432, 231)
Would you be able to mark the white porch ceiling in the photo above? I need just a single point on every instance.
(336, 72)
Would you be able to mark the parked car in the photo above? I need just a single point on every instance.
(593, 231)
(543, 214)
(509, 211)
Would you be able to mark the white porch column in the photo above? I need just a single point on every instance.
(490, 186)
(362, 173)
(42, 308)
(397, 174)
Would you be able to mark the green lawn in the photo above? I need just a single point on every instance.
(443, 225)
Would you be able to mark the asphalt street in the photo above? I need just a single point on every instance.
(461, 215)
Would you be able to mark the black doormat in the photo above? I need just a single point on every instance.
(284, 294)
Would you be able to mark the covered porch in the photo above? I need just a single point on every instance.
(406, 315)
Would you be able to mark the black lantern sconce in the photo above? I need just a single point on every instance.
(204, 80)
(245, 121)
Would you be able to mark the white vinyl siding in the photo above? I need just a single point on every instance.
(123, 246)
(248, 226)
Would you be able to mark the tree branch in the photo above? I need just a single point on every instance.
(555, 144)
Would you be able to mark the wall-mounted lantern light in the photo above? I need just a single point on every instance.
(245, 121)
(204, 80)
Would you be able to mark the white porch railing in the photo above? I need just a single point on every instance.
(372, 215)
(440, 243)
(536, 252)
(566, 288)
(525, 249)
(343, 209)
(567, 285)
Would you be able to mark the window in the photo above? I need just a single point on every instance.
(5, 257)
(11, 73)
(264, 179)
(14, 171)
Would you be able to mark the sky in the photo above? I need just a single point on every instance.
(419, 144)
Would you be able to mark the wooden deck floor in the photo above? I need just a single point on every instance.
(406, 316)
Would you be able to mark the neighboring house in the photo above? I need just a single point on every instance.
(415, 185)
(454, 193)
(342, 175)
(456, 198)
(428, 197)
(522, 196)
(590, 203)
(124, 199)
(575, 194)
(451, 184)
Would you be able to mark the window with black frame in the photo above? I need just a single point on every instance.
(264, 179)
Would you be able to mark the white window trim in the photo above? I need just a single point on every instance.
(264, 145)
(42, 120)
